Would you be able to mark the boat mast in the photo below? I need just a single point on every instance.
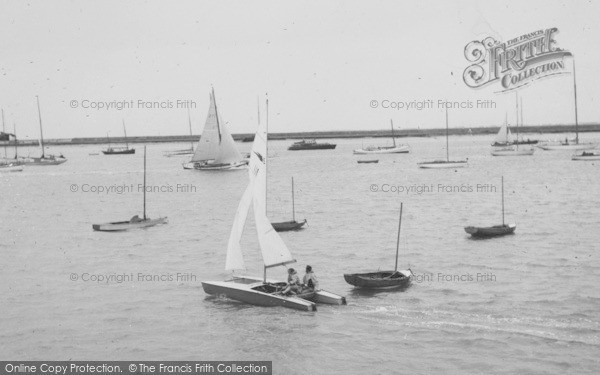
(521, 107)
(398, 240)
(191, 135)
(575, 92)
(125, 131)
(447, 150)
(4, 131)
(144, 182)
(16, 140)
(517, 107)
(393, 139)
(266, 158)
(41, 132)
(502, 200)
(293, 204)
(216, 114)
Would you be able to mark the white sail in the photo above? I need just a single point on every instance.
(235, 258)
(504, 135)
(216, 144)
(274, 250)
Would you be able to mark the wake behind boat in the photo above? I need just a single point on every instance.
(216, 149)
(135, 222)
(253, 290)
(382, 279)
(395, 149)
(442, 164)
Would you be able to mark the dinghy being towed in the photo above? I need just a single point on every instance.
(216, 149)
(253, 290)
(135, 222)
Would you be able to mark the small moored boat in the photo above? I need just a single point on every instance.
(285, 226)
(382, 279)
(119, 150)
(587, 155)
(135, 222)
(372, 161)
(493, 231)
(444, 164)
(394, 149)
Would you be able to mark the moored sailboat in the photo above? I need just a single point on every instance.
(285, 226)
(135, 222)
(254, 290)
(188, 151)
(394, 149)
(587, 155)
(493, 231)
(6, 164)
(216, 149)
(511, 147)
(566, 144)
(119, 150)
(43, 159)
(382, 279)
(440, 164)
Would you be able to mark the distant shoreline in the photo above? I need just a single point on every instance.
(401, 133)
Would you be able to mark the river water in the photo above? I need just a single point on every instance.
(526, 303)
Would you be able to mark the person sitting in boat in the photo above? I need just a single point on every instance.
(293, 284)
(135, 219)
(310, 279)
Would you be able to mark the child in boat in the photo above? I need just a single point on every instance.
(293, 285)
(310, 279)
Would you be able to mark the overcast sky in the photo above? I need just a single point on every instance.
(321, 63)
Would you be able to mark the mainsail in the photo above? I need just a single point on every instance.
(504, 135)
(216, 144)
(274, 251)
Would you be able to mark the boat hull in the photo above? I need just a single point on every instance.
(128, 225)
(513, 152)
(367, 161)
(320, 146)
(215, 167)
(379, 279)
(244, 290)
(288, 225)
(443, 164)
(42, 161)
(488, 232)
(572, 147)
(383, 150)
(11, 168)
(320, 296)
(587, 156)
(119, 152)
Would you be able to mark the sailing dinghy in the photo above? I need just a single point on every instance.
(511, 146)
(255, 290)
(216, 149)
(493, 231)
(567, 145)
(285, 226)
(382, 279)
(119, 150)
(43, 159)
(395, 149)
(440, 164)
(135, 222)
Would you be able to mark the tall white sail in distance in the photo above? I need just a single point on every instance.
(216, 143)
(235, 259)
(504, 135)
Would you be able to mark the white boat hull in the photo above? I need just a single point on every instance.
(383, 150)
(42, 161)
(589, 157)
(571, 147)
(244, 290)
(512, 151)
(127, 225)
(321, 296)
(10, 168)
(443, 164)
(215, 167)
